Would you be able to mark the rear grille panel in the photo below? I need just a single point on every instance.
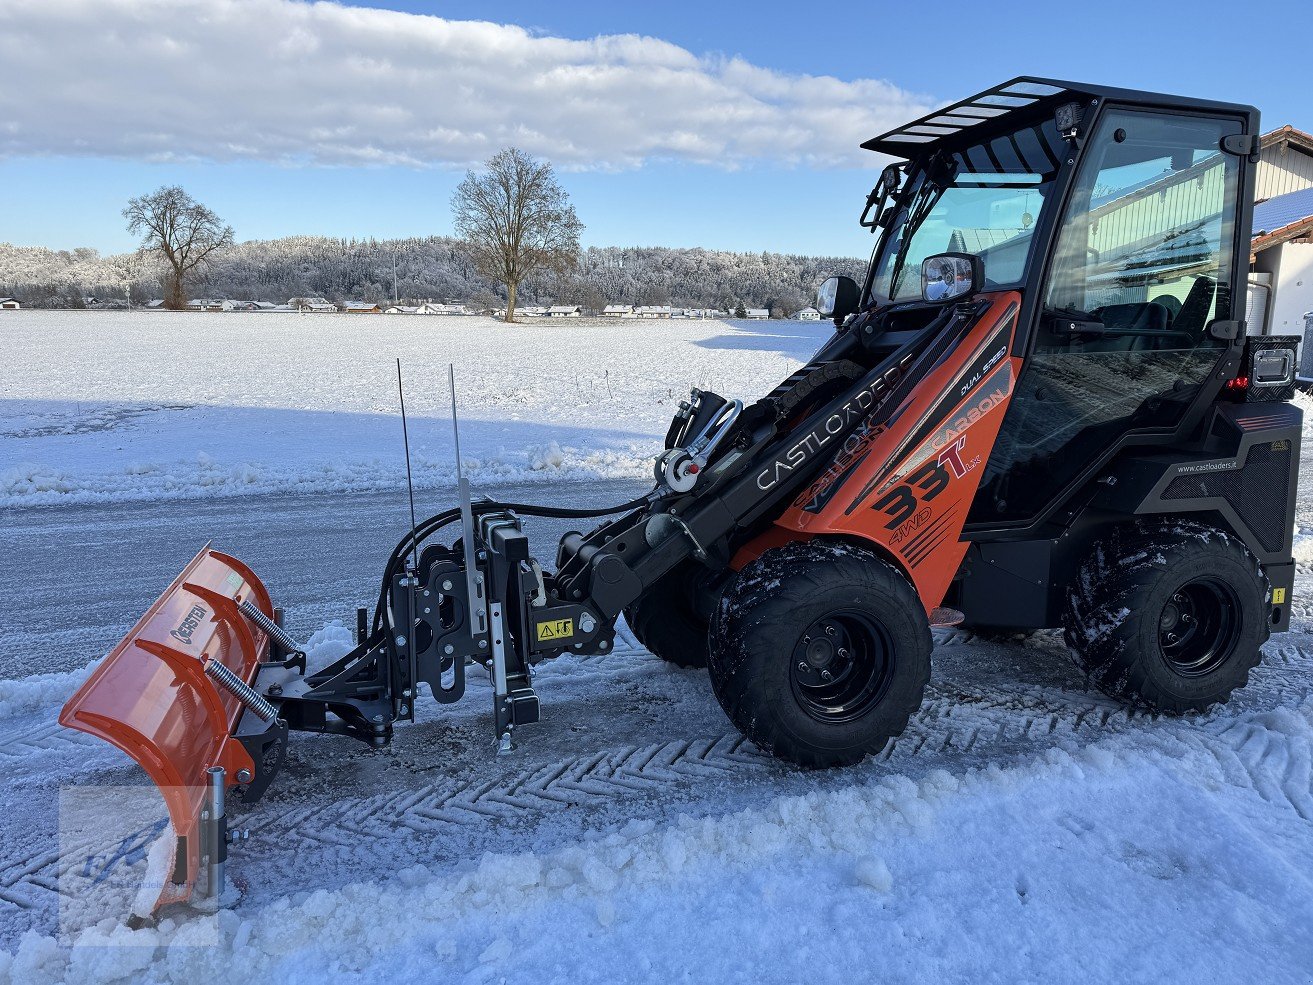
(1257, 492)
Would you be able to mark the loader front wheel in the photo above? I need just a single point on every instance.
(819, 653)
(1169, 616)
(665, 620)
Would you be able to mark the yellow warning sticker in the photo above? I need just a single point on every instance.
(1278, 596)
(555, 629)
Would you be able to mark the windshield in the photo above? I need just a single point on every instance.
(985, 199)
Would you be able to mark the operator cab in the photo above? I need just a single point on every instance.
(1120, 219)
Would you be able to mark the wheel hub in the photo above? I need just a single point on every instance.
(842, 666)
(1198, 627)
(819, 652)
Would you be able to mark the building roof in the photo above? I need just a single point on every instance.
(1290, 136)
(1282, 218)
(617, 308)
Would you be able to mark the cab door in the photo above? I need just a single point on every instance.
(1143, 267)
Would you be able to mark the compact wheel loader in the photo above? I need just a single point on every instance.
(1040, 409)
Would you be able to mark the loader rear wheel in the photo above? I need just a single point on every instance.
(1169, 616)
(665, 621)
(819, 653)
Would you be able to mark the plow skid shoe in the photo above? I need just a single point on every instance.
(152, 698)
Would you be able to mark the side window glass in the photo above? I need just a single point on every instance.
(1146, 243)
(1142, 266)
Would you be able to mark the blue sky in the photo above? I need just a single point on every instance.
(799, 194)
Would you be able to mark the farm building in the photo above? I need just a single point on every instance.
(312, 304)
(362, 308)
(808, 314)
(9, 304)
(618, 311)
(756, 313)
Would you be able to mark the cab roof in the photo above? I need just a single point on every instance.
(986, 111)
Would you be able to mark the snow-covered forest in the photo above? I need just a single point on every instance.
(432, 267)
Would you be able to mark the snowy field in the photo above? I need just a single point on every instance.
(1024, 828)
(98, 406)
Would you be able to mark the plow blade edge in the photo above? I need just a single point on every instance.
(153, 699)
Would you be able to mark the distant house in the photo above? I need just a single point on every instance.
(564, 311)
(362, 308)
(618, 311)
(443, 308)
(808, 314)
(206, 304)
(155, 303)
(757, 313)
(401, 309)
(652, 311)
(91, 302)
(312, 304)
(9, 304)
(250, 306)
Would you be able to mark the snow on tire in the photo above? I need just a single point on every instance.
(1168, 614)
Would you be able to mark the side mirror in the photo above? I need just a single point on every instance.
(838, 298)
(946, 276)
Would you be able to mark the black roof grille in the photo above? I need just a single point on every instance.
(1023, 95)
(1010, 97)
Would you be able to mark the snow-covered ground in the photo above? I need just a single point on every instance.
(1024, 828)
(99, 406)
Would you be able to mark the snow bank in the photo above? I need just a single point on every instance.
(40, 691)
(143, 406)
(1063, 867)
(332, 642)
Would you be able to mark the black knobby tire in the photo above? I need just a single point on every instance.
(771, 641)
(664, 620)
(1169, 615)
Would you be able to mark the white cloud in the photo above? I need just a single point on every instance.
(276, 80)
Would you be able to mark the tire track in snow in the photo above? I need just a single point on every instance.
(956, 720)
(952, 719)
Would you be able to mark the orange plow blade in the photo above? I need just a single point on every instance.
(153, 698)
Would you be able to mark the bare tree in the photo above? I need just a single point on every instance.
(516, 221)
(180, 230)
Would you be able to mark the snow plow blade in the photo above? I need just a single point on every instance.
(170, 695)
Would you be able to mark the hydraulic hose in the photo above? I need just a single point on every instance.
(427, 528)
